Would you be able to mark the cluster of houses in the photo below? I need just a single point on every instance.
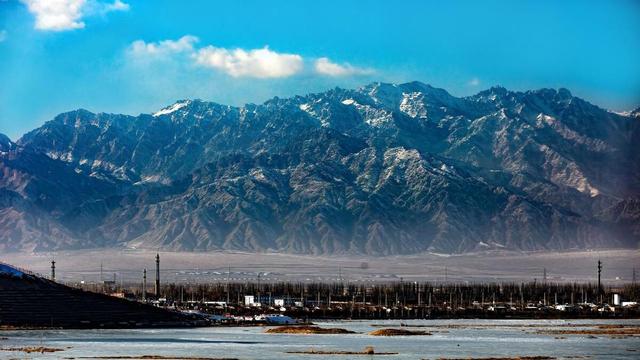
(280, 310)
(268, 319)
(580, 307)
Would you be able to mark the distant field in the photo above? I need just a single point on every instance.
(213, 266)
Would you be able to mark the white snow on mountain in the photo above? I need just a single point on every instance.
(175, 107)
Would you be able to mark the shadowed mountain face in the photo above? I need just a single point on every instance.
(384, 169)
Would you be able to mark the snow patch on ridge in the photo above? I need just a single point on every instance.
(258, 174)
(169, 109)
(62, 156)
(567, 173)
(571, 135)
(413, 105)
(153, 179)
(305, 107)
(309, 110)
(348, 102)
(373, 116)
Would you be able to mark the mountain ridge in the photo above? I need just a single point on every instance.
(382, 169)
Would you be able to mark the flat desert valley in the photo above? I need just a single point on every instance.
(577, 266)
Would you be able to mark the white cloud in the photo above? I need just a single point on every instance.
(143, 50)
(324, 66)
(56, 14)
(3, 35)
(474, 82)
(262, 63)
(258, 63)
(60, 15)
(95, 7)
(116, 6)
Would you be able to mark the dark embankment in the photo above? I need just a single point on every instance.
(305, 329)
(151, 357)
(505, 358)
(398, 332)
(30, 301)
(369, 350)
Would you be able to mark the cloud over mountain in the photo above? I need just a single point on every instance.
(144, 50)
(263, 63)
(259, 63)
(325, 66)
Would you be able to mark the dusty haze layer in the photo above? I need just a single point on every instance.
(213, 266)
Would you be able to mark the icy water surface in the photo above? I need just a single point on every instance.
(450, 339)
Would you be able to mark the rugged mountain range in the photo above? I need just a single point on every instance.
(384, 169)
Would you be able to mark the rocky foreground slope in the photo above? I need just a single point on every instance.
(384, 169)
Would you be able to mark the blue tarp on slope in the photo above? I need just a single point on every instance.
(6, 269)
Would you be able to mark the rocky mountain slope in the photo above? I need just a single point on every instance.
(384, 169)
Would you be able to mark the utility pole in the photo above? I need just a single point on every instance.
(544, 275)
(53, 270)
(228, 275)
(402, 290)
(144, 285)
(633, 283)
(157, 284)
(259, 287)
(599, 284)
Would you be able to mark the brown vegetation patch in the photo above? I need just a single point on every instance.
(490, 326)
(608, 331)
(369, 350)
(33, 349)
(504, 358)
(150, 357)
(615, 326)
(398, 332)
(307, 330)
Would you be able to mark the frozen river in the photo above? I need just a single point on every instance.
(449, 339)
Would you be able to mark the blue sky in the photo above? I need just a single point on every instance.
(130, 56)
